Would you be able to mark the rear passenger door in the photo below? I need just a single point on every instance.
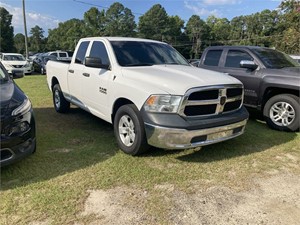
(75, 76)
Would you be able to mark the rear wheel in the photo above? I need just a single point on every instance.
(282, 112)
(61, 105)
(129, 130)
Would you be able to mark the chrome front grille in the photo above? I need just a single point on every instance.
(212, 100)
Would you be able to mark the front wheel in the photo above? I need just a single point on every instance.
(282, 112)
(61, 105)
(129, 130)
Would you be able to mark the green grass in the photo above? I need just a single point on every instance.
(77, 152)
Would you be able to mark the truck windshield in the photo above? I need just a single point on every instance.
(133, 53)
(273, 59)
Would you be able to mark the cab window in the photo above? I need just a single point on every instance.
(212, 57)
(98, 50)
(234, 57)
(81, 52)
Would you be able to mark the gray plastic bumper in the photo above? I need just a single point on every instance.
(172, 138)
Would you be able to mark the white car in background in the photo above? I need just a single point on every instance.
(62, 55)
(15, 62)
(296, 57)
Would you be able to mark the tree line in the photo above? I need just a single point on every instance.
(270, 28)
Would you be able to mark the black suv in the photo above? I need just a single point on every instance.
(271, 80)
(17, 121)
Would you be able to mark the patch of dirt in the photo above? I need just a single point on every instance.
(117, 206)
(273, 200)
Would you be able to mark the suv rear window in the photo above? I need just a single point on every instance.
(212, 57)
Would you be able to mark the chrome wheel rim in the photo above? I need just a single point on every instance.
(126, 130)
(282, 114)
(57, 99)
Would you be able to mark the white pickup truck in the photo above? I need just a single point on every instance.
(150, 94)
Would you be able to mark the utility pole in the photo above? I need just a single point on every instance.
(25, 30)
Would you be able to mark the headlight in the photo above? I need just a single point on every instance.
(23, 108)
(162, 103)
(19, 128)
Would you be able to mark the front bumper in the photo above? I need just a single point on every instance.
(15, 147)
(24, 70)
(208, 131)
(18, 152)
(170, 138)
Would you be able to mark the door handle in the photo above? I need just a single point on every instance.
(71, 71)
(86, 74)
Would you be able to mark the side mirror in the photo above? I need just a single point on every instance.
(248, 64)
(95, 63)
(17, 74)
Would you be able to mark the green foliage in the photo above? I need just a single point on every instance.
(66, 36)
(36, 40)
(94, 21)
(6, 31)
(153, 24)
(119, 21)
(197, 30)
(19, 43)
(219, 30)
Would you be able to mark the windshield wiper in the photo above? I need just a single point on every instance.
(139, 64)
(171, 63)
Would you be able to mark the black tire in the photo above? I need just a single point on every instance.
(129, 118)
(61, 105)
(282, 112)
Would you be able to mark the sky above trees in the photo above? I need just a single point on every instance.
(270, 28)
(48, 13)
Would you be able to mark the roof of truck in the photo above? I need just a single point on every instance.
(238, 46)
(120, 39)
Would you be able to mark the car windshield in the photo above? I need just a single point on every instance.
(134, 53)
(273, 59)
(13, 58)
(3, 75)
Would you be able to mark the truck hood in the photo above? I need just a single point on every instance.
(176, 79)
(284, 72)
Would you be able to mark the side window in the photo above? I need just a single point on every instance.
(99, 51)
(81, 52)
(234, 57)
(212, 57)
(54, 54)
(62, 54)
